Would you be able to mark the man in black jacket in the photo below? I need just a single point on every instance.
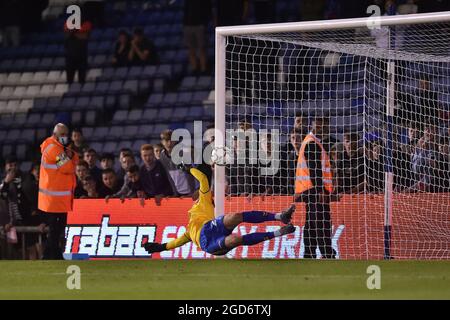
(153, 175)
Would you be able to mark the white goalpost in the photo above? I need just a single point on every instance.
(384, 85)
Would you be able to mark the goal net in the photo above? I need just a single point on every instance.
(385, 92)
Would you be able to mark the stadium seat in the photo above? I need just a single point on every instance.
(130, 132)
(145, 131)
(100, 133)
(120, 116)
(110, 147)
(48, 119)
(12, 136)
(27, 136)
(149, 115)
(134, 116)
(91, 117)
(33, 120)
(155, 100)
(115, 133)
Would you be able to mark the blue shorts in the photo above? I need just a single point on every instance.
(212, 236)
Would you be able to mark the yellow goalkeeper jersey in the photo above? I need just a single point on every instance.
(201, 212)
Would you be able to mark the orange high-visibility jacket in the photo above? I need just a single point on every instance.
(57, 180)
(302, 177)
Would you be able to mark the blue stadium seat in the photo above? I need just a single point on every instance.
(120, 116)
(100, 133)
(110, 147)
(83, 103)
(76, 117)
(188, 83)
(27, 136)
(88, 132)
(165, 114)
(134, 116)
(3, 135)
(21, 151)
(124, 144)
(131, 86)
(91, 117)
(97, 102)
(155, 99)
(149, 115)
(185, 98)
(12, 136)
(170, 99)
(145, 131)
(33, 120)
(48, 119)
(195, 113)
(116, 132)
(130, 132)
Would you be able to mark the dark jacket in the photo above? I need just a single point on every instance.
(155, 180)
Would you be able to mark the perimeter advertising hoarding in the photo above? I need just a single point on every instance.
(116, 230)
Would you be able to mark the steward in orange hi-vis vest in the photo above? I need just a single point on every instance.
(302, 176)
(57, 178)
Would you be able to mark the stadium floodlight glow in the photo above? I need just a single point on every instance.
(374, 80)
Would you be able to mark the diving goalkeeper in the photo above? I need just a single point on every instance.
(214, 235)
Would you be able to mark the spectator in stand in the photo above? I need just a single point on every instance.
(374, 178)
(107, 161)
(127, 160)
(81, 171)
(111, 184)
(427, 102)
(197, 15)
(158, 148)
(78, 143)
(267, 179)
(288, 162)
(142, 51)
(424, 160)
(153, 175)
(182, 182)
(90, 156)
(301, 124)
(402, 158)
(350, 164)
(312, 10)
(442, 173)
(20, 192)
(90, 187)
(121, 50)
(76, 51)
(132, 188)
(11, 15)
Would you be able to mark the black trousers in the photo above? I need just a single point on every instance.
(317, 231)
(53, 248)
(72, 66)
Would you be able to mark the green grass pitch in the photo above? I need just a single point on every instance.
(225, 279)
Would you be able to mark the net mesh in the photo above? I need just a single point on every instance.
(280, 82)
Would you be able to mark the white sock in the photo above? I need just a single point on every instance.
(277, 233)
(278, 217)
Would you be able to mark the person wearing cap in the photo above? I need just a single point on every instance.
(57, 182)
(314, 186)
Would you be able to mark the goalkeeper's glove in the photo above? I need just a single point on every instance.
(153, 247)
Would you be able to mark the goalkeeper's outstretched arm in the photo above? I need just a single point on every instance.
(153, 247)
